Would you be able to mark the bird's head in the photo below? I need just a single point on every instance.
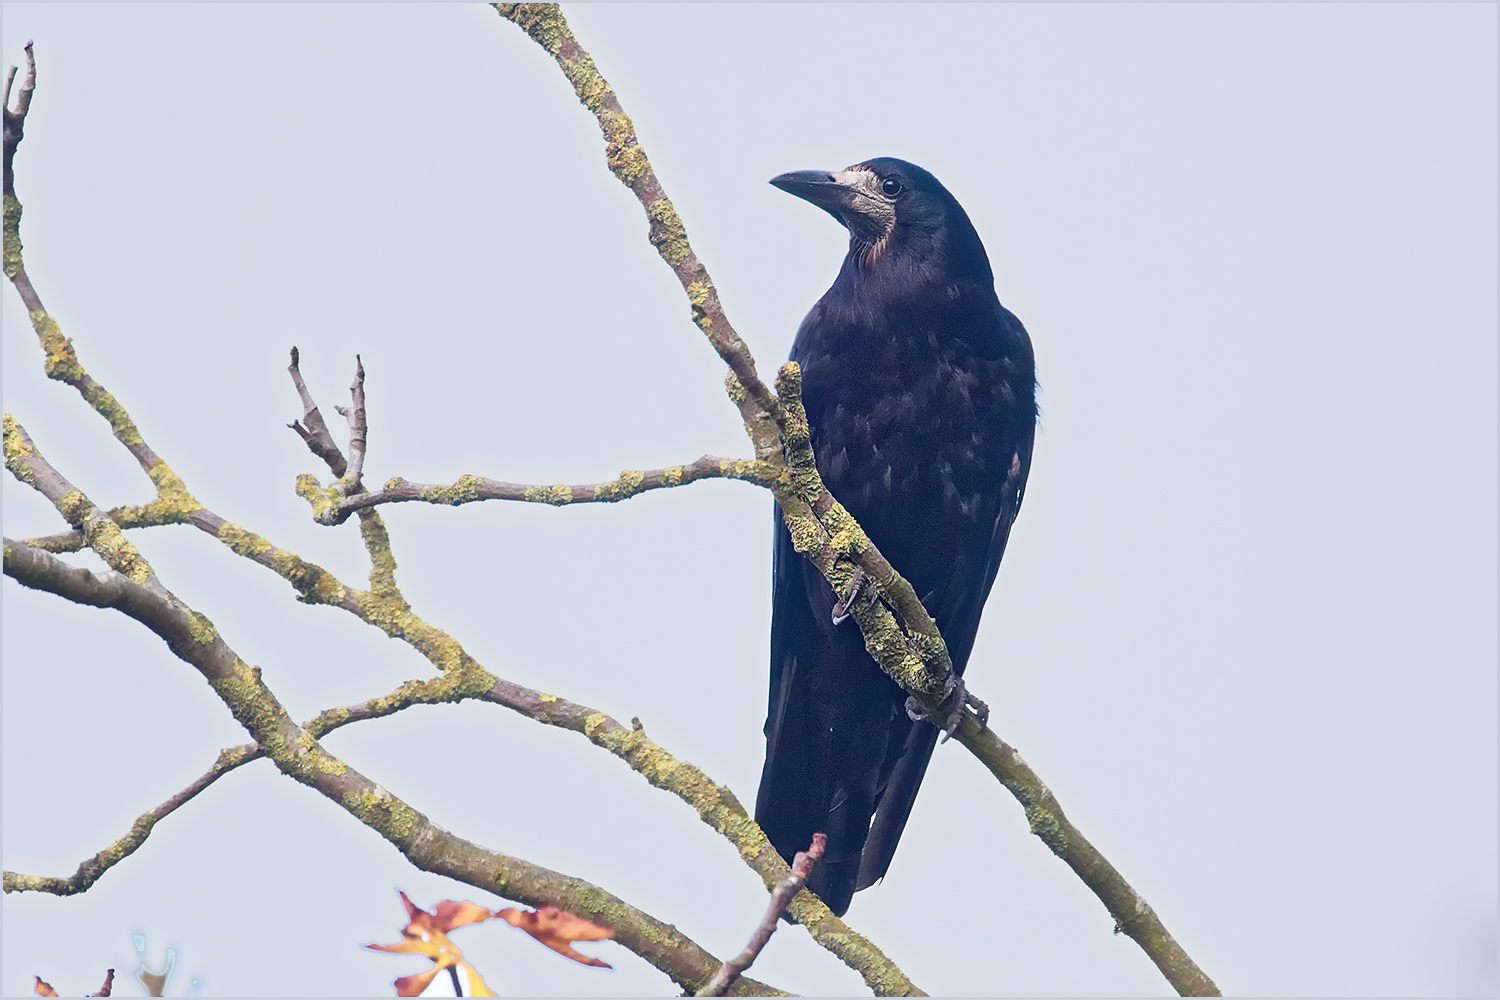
(893, 208)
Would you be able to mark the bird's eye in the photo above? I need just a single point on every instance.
(890, 187)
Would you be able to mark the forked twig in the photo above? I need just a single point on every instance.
(781, 898)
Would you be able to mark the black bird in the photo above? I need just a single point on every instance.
(920, 390)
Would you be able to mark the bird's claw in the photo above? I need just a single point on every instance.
(949, 720)
(842, 609)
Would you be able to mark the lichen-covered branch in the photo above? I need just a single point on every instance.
(329, 508)
(1133, 916)
(299, 755)
(90, 870)
(759, 408)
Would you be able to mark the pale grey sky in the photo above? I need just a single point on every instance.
(1246, 628)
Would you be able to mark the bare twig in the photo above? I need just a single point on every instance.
(315, 434)
(299, 755)
(358, 428)
(781, 897)
(15, 121)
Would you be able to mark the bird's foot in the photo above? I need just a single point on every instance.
(841, 610)
(948, 720)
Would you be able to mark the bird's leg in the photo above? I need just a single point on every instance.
(842, 608)
(948, 720)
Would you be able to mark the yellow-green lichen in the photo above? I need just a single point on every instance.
(845, 535)
(465, 490)
(201, 629)
(18, 449)
(323, 501)
(1045, 825)
(110, 409)
(240, 689)
(759, 473)
(382, 812)
(557, 495)
(168, 485)
(242, 542)
(807, 533)
(592, 723)
(700, 292)
(735, 390)
(628, 485)
(74, 507)
(12, 236)
(62, 363)
(668, 234)
(315, 584)
(106, 539)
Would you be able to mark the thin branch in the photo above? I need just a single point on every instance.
(469, 489)
(103, 535)
(298, 754)
(358, 428)
(1133, 916)
(781, 897)
(315, 435)
(89, 871)
(547, 27)
(15, 123)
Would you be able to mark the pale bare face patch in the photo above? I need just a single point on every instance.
(871, 214)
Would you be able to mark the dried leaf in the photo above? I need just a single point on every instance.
(557, 929)
(451, 915)
(413, 986)
(427, 934)
(43, 990)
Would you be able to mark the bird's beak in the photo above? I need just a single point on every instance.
(851, 196)
(818, 187)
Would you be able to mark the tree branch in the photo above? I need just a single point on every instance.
(1133, 916)
(89, 871)
(546, 26)
(315, 435)
(781, 896)
(469, 489)
(298, 754)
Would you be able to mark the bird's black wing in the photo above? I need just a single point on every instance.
(957, 611)
(828, 725)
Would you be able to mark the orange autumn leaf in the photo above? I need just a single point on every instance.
(427, 934)
(557, 929)
(44, 990)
